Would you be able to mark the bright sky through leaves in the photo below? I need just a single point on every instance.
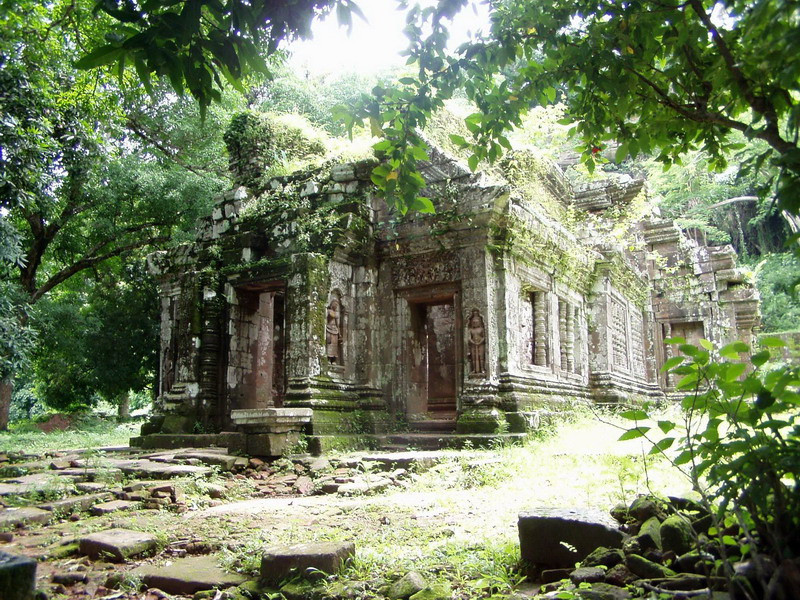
(373, 46)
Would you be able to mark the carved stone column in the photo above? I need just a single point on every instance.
(562, 332)
(539, 329)
(570, 341)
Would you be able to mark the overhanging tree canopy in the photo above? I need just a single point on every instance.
(658, 77)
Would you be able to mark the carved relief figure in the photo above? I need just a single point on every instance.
(477, 343)
(333, 331)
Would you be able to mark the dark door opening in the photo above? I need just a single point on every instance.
(434, 364)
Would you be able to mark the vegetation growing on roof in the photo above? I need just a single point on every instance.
(263, 144)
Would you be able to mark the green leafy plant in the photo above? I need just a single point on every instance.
(738, 443)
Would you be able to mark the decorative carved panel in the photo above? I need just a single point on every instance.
(619, 341)
(426, 269)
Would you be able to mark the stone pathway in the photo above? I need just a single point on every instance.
(67, 510)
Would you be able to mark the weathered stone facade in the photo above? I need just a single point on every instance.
(309, 294)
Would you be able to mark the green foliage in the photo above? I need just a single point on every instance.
(662, 78)
(724, 206)
(199, 45)
(88, 431)
(102, 340)
(777, 280)
(16, 339)
(314, 97)
(738, 442)
(259, 144)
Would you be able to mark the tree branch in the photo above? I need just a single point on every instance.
(758, 103)
(170, 153)
(88, 262)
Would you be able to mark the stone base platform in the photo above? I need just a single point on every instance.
(320, 444)
(172, 441)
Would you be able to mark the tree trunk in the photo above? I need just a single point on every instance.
(124, 407)
(6, 387)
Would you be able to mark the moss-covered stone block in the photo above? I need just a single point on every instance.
(176, 424)
(482, 421)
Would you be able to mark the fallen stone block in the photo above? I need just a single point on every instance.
(19, 517)
(225, 461)
(557, 537)
(74, 504)
(116, 543)
(155, 470)
(114, 506)
(278, 562)
(17, 577)
(188, 575)
(405, 587)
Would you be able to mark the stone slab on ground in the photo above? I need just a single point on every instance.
(188, 575)
(75, 503)
(35, 482)
(18, 517)
(91, 473)
(154, 470)
(557, 537)
(224, 461)
(279, 561)
(405, 460)
(113, 506)
(117, 543)
(91, 487)
(17, 577)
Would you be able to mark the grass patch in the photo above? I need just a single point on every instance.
(86, 432)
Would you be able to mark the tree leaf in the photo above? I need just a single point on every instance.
(672, 362)
(101, 56)
(632, 434)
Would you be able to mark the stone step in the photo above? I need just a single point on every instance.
(433, 425)
(440, 441)
(402, 442)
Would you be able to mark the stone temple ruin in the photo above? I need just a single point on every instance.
(303, 305)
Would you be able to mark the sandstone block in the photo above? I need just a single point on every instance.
(19, 517)
(188, 575)
(117, 543)
(74, 504)
(677, 535)
(105, 508)
(17, 577)
(639, 565)
(408, 585)
(279, 561)
(560, 537)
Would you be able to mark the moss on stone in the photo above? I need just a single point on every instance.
(571, 263)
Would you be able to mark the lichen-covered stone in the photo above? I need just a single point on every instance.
(409, 584)
(560, 537)
(603, 591)
(435, 591)
(650, 534)
(646, 569)
(607, 557)
(646, 507)
(17, 577)
(280, 561)
(677, 535)
(587, 575)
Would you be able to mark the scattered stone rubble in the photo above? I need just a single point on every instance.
(656, 547)
(649, 546)
(41, 492)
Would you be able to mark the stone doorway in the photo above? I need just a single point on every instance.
(434, 358)
(256, 373)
